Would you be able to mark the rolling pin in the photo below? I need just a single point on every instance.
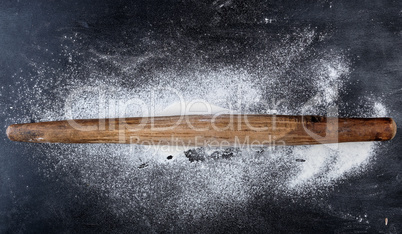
(203, 130)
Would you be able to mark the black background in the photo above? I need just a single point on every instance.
(371, 32)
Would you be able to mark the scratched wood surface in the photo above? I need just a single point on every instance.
(202, 130)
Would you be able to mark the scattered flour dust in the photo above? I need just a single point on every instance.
(325, 165)
(143, 178)
(380, 110)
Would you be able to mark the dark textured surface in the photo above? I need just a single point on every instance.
(214, 33)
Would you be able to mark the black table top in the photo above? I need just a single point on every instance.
(90, 59)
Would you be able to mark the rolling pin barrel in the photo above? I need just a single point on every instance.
(203, 130)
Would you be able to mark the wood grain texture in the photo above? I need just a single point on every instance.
(203, 130)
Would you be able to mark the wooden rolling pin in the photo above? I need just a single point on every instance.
(203, 130)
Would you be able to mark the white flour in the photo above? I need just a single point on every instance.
(138, 177)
